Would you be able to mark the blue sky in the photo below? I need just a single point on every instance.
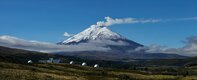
(47, 20)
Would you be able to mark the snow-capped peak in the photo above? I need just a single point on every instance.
(94, 33)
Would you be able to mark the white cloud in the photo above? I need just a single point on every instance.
(66, 34)
(110, 21)
(189, 49)
(179, 19)
(14, 42)
(189, 18)
(113, 21)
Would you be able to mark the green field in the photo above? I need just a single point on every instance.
(13, 66)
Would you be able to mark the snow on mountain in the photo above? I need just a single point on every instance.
(94, 33)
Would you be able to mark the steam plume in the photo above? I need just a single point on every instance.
(111, 21)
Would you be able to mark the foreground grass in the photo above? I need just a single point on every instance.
(11, 71)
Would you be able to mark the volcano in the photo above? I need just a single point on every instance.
(119, 47)
(102, 36)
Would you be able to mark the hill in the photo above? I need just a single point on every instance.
(13, 65)
(22, 56)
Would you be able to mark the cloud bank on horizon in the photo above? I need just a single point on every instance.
(13, 42)
(189, 49)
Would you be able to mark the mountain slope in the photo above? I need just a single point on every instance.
(22, 56)
(102, 36)
(120, 47)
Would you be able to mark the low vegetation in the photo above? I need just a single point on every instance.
(63, 71)
(13, 66)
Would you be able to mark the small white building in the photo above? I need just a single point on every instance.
(50, 60)
(29, 62)
(71, 62)
(96, 66)
(84, 64)
(56, 61)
